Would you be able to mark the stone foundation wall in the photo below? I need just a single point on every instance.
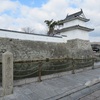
(33, 50)
(80, 49)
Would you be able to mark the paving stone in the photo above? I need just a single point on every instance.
(79, 78)
(70, 82)
(22, 97)
(58, 83)
(33, 96)
(76, 95)
(85, 91)
(85, 98)
(87, 76)
(10, 97)
(91, 97)
(60, 91)
(43, 91)
(26, 91)
(95, 87)
(17, 91)
(96, 94)
(92, 73)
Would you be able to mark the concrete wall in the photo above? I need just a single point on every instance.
(30, 50)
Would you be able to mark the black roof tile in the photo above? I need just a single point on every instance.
(75, 27)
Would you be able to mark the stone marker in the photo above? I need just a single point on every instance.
(7, 73)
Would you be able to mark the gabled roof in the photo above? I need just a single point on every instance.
(78, 15)
(75, 27)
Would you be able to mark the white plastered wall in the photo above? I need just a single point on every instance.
(74, 34)
(21, 36)
(73, 23)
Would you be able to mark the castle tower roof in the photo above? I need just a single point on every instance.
(75, 27)
(78, 15)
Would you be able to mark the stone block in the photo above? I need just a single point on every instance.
(30, 80)
(19, 82)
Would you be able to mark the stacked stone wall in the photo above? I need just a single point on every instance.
(33, 50)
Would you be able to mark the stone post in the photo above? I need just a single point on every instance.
(7, 73)
(40, 70)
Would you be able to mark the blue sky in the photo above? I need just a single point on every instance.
(16, 14)
(32, 3)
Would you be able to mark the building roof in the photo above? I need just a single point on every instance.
(13, 31)
(78, 15)
(74, 27)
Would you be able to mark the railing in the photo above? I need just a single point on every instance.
(25, 69)
(38, 68)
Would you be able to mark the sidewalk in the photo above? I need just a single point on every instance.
(93, 96)
(62, 88)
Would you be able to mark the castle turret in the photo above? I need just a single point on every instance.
(74, 27)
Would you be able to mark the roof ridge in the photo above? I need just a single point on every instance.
(75, 14)
(78, 15)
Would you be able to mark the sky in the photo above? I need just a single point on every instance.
(18, 14)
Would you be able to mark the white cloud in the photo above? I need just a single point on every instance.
(22, 16)
(8, 5)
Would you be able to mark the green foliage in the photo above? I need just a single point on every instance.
(51, 25)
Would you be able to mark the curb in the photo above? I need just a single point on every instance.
(77, 93)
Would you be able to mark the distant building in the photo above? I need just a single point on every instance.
(95, 47)
(74, 26)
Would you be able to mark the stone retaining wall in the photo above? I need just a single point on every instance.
(33, 50)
